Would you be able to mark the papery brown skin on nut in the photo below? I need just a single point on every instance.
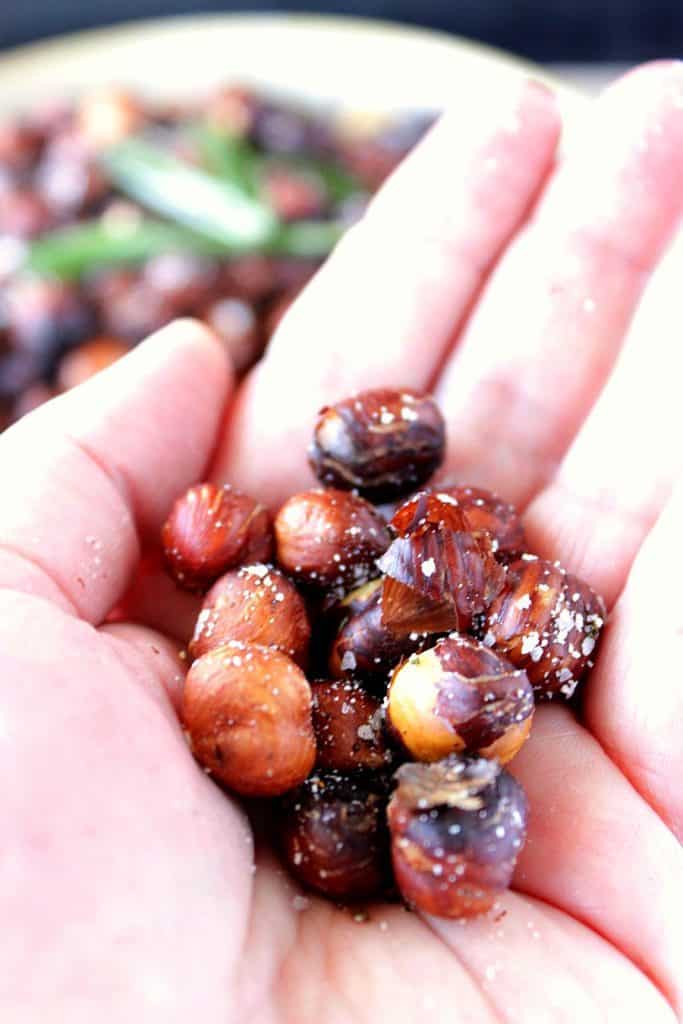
(212, 529)
(247, 712)
(329, 539)
(457, 827)
(383, 443)
(548, 622)
(255, 604)
(440, 576)
(334, 837)
(364, 648)
(349, 728)
(459, 695)
(485, 512)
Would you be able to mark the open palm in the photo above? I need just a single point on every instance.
(507, 280)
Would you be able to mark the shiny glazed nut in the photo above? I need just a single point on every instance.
(457, 827)
(364, 648)
(440, 576)
(212, 529)
(485, 512)
(459, 695)
(329, 538)
(384, 442)
(334, 837)
(247, 711)
(255, 605)
(548, 622)
(349, 728)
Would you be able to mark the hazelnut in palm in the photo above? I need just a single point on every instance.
(373, 677)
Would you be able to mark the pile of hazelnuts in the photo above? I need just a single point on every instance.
(371, 669)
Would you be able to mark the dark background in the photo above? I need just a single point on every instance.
(543, 30)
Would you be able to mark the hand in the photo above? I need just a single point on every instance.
(509, 283)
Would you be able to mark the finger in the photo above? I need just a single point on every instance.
(89, 473)
(151, 658)
(591, 980)
(634, 699)
(382, 310)
(113, 839)
(154, 599)
(596, 851)
(618, 472)
(543, 338)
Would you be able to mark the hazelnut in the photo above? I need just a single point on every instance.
(84, 362)
(109, 116)
(212, 529)
(294, 193)
(364, 648)
(548, 622)
(247, 711)
(457, 827)
(236, 324)
(255, 605)
(440, 576)
(329, 538)
(485, 512)
(384, 442)
(459, 695)
(349, 728)
(334, 837)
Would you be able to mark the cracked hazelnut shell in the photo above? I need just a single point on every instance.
(457, 696)
(457, 827)
(440, 576)
(548, 622)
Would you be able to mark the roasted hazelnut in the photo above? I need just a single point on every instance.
(384, 443)
(457, 827)
(247, 712)
(184, 280)
(364, 648)
(236, 324)
(329, 538)
(459, 695)
(30, 399)
(349, 728)
(68, 178)
(23, 213)
(548, 622)
(485, 512)
(212, 529)
(334, 837)
(46, 316)
(294, 193)
(255, 605)
(109, 116)
(20, 145)
(84, 362)
(440, 575)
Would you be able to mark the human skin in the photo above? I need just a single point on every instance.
(539, 298)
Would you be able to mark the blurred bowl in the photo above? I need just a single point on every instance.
(339, 62)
